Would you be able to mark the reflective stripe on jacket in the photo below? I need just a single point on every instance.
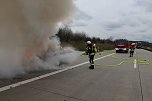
(91, 50)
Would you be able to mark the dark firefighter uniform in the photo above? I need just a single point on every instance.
(90, 51)
(132, 49)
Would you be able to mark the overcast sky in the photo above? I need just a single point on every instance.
(130, 19)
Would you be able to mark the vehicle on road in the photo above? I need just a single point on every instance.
(122, 45)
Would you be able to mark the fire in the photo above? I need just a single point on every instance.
(25, 26)
(28, 53)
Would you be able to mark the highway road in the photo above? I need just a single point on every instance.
(116, 77)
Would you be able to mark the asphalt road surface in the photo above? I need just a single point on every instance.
(116, 77)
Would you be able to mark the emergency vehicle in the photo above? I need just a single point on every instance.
(122, 45)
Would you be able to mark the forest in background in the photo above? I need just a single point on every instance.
(78, 40)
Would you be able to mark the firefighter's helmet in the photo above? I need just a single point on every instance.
(88, 42)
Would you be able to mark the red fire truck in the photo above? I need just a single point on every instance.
(122, 45)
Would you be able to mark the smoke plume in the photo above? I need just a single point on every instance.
(26, 28)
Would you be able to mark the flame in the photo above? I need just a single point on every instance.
(28, 53)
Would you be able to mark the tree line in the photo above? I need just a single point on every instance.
(78, 40)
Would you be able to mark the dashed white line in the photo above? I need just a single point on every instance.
(46, 75)
(135, 63)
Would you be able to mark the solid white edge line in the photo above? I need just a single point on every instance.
(46, 75)
(135, 63)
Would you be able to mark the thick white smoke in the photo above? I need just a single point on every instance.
(25, 28)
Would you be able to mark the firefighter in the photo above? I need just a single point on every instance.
(90, 51)
(132, 49)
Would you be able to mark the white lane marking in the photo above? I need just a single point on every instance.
(135, 63)
(46, 75)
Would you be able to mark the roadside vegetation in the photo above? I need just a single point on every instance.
(145, 45)
(78, 40)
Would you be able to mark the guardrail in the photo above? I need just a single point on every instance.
(148, 49)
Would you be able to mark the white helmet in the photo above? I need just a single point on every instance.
(88, 42)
